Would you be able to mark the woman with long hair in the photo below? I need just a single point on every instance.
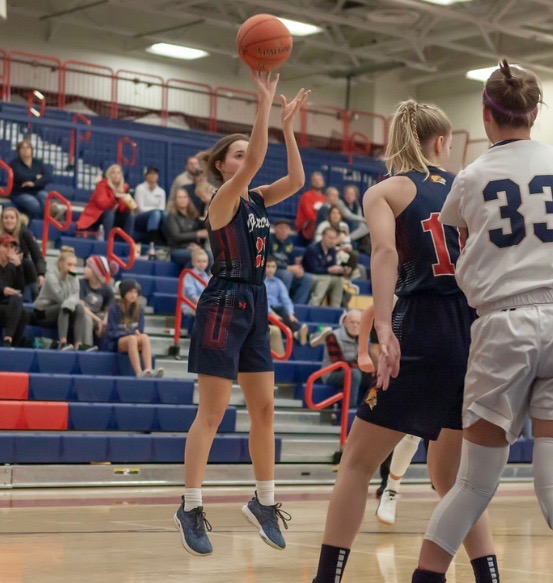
(429, 327)
(110, 204)
(506, 272)
(230, 338)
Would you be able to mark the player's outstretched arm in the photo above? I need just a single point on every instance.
(295, 179)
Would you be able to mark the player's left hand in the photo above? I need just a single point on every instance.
(388, 360)
(291, 108)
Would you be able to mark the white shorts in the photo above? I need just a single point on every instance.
(510, 368)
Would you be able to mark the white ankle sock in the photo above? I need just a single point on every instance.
(192, 498)
(266, 492)
(392, 484)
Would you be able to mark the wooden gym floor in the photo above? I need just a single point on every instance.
(127, 536)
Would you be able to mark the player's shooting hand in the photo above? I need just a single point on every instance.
(265, 84)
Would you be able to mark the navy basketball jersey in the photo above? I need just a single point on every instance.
(240, 248)
(427, 250)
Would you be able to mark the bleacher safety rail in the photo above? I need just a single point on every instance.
(352, 145)
(154, 93)
(6, 190)
(181, 298)
(116, 231)
(122, 160)
(49, 220)
(171, 100)
(343, 396)
(83, 137)
(31, 109)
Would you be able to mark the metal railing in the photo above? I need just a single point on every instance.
(49, 220)
(116, 231)
(6, 190)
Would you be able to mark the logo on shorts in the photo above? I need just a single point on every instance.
(242, 305)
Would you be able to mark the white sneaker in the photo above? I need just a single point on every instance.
(386, 511)
(146, 374)
(319, 336)
(158, 373)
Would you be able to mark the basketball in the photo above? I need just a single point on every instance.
(263, 42)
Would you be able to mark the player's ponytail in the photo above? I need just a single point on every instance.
(512, 94)
(413, 124)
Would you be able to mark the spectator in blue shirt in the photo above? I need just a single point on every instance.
(319, 259)
(280, 304)
(289, 268)
(192, 288)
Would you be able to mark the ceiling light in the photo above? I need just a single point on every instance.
(483, 74)
(300, 28)
(176, 51)
(445, 2)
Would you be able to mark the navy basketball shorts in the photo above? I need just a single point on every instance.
(427, 396)
(231, 330)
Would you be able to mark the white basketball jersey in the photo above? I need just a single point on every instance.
(505, 200)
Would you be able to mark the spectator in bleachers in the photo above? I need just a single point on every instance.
(96, 295)
(30, 178)
(183, 229)
(280, 304)
(289, 267)
(332, 198)
(352, 211)
(34, 266)
(59, 304)
(192, 288)
(344, 249)
(319, 259)
(13, 317)
(191, 175)
(341, 345)
(125, 330)
(310, 202)
(150, 201)
(110, 204)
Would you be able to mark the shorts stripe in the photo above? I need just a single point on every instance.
(217, 328)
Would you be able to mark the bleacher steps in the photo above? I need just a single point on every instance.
(61, 476)
(307, 449)
(290, 422)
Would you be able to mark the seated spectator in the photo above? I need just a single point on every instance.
(13, 317)
(96, 295)
(289, 268)
(319, 259)
(344, 250)
(332, 196)
(341, 345)
(279, 302)
(125, 330)
(310, 202)
(30, 178)
(191, 175)
(183, 230)
(150, 201)
(34, 266)
(352, 211)
(59, 304)
(110, 204)
(192, 288)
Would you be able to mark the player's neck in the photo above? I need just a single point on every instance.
(500, 134)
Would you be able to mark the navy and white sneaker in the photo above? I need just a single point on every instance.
(265, 518)
(192, 526)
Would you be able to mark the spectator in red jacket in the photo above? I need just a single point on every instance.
(310, 202)
(110, 204)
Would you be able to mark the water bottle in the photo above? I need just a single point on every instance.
(101, 233)
(152, 252)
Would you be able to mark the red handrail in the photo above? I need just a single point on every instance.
(178, 317)
(51, 220)
(8, 190)
(352, 144)
(122, 160)
(342, 396)
(30, 104)
(111, 253)
(84, 137)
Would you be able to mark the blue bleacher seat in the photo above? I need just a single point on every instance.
(80, 448)
(307, 353)
(164, 303)
(20, 360)
(175, 391)
(37, 448)
(91, 416)
(7, 447)
(55, 361)
(135, 417)
(92, 388)
(50, 387)
(91, 363)
(130, 448)
(135, 390)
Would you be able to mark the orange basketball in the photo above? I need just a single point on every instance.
(263, 42)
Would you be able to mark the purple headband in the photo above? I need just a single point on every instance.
(498, 107)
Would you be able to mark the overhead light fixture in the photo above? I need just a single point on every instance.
(300, 28)
(176, 51)
(484, 73)
(445, 2)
